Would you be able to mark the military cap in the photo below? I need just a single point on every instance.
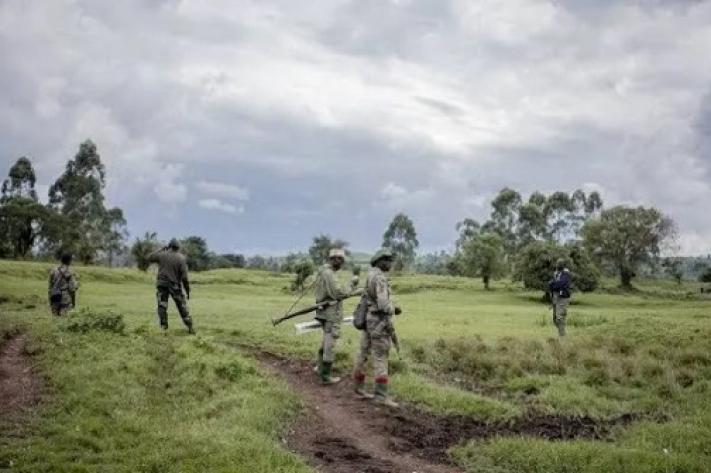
(173, 243)
(383, 253)
(337, 253)
(560, 263)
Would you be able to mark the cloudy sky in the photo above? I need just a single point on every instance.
(260, 124)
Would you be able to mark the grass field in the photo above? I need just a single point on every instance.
(121, 397)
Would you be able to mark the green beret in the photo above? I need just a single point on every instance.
(383, 253)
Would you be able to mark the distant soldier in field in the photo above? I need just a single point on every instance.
(380, 332)
(328, 288)
(62, 287)
(172, 278)
(559, 288)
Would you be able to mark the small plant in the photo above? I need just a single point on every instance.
(87, 321)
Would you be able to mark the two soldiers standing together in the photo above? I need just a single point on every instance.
(376, 338)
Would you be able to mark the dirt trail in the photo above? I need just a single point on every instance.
(343, 434)
(20, 386)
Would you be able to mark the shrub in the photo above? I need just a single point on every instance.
(87, 321)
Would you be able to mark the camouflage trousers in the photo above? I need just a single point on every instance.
(560, 313)
(164, 293)
(331, 333)
(374, 340)
(60, 303)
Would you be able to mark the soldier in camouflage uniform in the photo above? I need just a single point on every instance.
(328, 288)
(380, 332)
(559, 288)
(62, 287)
(171, 279)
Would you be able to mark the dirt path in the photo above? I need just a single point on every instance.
(343, 434)
(20, 387)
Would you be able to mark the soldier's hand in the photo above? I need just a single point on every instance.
(187, 295)
(398, 310)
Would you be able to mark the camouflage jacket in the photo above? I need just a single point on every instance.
(63, 282)
(377, 288)
(329, 288)
(172, 269)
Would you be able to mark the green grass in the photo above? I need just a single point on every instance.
(185, 404)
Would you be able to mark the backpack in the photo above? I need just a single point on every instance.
(360, 314)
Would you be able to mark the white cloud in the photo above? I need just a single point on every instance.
(167, 187)
(451, 100)
(217, 204)
(223, 190)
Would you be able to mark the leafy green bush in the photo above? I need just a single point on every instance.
(536, 264)
(86, 321)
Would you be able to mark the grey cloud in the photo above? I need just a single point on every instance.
(317, 107)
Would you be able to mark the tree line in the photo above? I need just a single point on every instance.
(522, 237)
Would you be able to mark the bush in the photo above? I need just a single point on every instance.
(536, 264)
(87, 321)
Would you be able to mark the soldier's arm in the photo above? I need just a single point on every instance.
(186, 282)
(332, 287)
(51, 282)
(155, 256)
(382, 297)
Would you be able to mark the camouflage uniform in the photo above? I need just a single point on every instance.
(171, 279)
(62, 288)
(328, 288)
(377, 338)
(560, 297)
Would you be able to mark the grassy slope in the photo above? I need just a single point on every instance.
(491, 354)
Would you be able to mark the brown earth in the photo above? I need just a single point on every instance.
(343, 434)
(20, 386)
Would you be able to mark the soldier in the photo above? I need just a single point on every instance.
(62, 287)
(559, 288)
(379, 332)
(172, 278)
(328, 288)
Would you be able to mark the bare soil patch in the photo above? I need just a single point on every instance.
(20, 385)
(343, 434)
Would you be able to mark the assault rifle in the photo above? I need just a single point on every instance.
(320, 306)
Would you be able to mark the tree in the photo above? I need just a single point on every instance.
(483, 256)
(401, 238)
(21, 215)
(559, 212)
(705, 276)
(197, 253)
(77, 195)
(504, 217)
(433, 263)
(321, 245)
(625, 238)
(468, 229)
(235, 260)
(674, 268)
(303, 268)
(536, 261)
(143, 247)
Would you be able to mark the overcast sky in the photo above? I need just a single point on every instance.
(261, 124)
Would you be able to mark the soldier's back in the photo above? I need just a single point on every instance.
(170, 268)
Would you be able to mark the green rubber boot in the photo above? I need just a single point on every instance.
(381, 395)
(326, 378)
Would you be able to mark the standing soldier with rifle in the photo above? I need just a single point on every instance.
(171, 279)
(328, 289)
(62, 287)
(379, 331)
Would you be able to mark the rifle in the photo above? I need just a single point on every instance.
(320, 306)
